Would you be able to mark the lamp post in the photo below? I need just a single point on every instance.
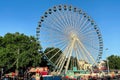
(108, 70)
(18, 58)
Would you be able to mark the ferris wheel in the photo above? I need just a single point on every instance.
(73, 33)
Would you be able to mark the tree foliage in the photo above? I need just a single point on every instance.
(114, 62)
(16, 46)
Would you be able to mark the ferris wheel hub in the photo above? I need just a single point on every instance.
(73, 36)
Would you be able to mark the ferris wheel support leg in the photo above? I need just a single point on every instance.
(60, 61)
(65, 52)
(91, 69)
(69, 56)
(61, 65)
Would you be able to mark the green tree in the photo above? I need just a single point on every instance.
(19, 51)
(114, 62)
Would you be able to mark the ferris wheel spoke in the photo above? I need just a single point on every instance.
(59, 20)
(79, 20)
(82, 21)
(61, 44)
(90, 41)
(90, 35)
(87, 57)
(88, 28)
(94, 49)
(78, 17)
(62, 18)
(89, 32)
(60, 41)
(62, 47)
(85, 26)
(69, 19)
(86, 51)
(75, 18)
(90, 44)
(52, 30)
(91, 47)
(82, 53)
(66, 18)
(54, 37)
(84, 57)
(77, 23)
(53, 26)
(54, 44)
(72, 19)
(79, 52)
(66, 21)
(63, 25)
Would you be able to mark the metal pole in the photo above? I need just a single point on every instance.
(1, 72)
(108, 66)
(17, 65)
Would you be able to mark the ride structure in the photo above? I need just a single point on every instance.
(75, 34)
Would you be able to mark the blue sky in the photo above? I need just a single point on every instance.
(23, 16)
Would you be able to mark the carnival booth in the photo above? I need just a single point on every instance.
(38, 72)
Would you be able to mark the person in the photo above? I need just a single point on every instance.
(5, 78)
(41, 78)
(37, 76)
(33, 77)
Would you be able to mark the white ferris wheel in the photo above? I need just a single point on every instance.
(75, 34)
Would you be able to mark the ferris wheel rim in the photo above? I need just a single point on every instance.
(74, 9)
